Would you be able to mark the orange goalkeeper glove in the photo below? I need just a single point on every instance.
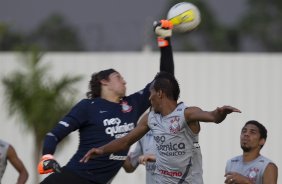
(48, 164)
(163, 29)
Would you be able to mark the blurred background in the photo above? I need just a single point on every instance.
(126, 25)
(234, 57)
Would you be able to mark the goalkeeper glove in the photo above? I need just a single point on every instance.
(48, 164)
(163, 29)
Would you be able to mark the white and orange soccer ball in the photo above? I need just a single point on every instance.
(184, 16)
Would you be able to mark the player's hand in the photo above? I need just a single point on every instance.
(143, 159)
(163, 28)
(48, 164)
(91, 154)
(223, 111)
(233, 177)
(227, 109)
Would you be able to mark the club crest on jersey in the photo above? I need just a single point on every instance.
(125, 107)
(174, 125)
(253, 174)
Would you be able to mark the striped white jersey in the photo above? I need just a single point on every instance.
(178, 154)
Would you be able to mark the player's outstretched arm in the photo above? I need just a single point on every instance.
(121, 143)
(163, 31)
(193, 114)
(221, 112)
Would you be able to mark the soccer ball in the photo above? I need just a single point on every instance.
(184, 17)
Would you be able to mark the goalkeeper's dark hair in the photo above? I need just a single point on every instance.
(168, 84)
(95, 83)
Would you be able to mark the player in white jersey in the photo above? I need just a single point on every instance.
(251, 167)
(178, 152)
(144, 148)
(196, 161)
(173, 126)
(8, 153)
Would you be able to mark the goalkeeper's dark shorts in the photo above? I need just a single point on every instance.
(66, 176)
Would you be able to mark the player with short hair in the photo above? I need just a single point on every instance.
(251, 167)
(174, 126)
(107, 114)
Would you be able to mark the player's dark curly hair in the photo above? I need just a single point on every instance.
(168, 84)
(95, 83)
(262, 129)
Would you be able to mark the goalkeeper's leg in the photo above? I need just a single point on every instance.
(66, 176)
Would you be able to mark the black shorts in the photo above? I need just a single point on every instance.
(66, 176)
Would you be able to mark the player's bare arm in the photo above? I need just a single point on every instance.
(270, 174)
(121, 143)
(127, 166)
(18, 165)
(194, 114)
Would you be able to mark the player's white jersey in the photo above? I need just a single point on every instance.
(178, 153)
(144, 146)
(197, 167)
(3, 157)
(253, 170)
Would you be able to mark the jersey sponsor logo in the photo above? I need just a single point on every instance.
(171, 173)
(65, 124)
(169, 148)
(117, 157)
(101, 112)
(159, 139)
(125, 107)
(116, 129)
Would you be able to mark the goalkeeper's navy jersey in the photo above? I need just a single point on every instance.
(99, 122)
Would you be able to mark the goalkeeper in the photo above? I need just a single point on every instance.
(98, 120)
